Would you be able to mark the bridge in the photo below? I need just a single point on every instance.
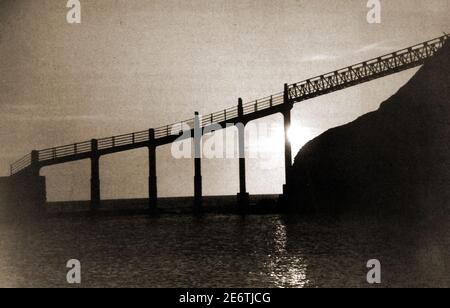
(282, 102)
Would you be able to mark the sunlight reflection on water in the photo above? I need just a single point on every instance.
(285, 270)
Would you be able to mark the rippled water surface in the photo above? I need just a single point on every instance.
(219, 251)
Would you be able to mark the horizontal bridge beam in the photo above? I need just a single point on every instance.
(158, 142)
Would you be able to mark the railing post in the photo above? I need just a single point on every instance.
(198, 194)
(152, 178)
(242, 197)
(287, 143)
(95, 176)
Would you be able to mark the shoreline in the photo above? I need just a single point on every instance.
(259, 204)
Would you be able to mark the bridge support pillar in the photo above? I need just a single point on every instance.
(152, 179)
(287, 143)
(23, 195)
(34, 168)
(95, 176)
(38, 190)
(243, 197)
(198, 194)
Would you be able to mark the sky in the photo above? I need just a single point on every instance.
(135, 64)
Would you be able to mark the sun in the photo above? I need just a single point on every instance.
(299, 136)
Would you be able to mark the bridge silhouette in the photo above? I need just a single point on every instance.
(283, 102)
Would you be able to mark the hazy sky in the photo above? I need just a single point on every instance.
(135, 64)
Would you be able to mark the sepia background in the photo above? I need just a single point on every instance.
(135, 64)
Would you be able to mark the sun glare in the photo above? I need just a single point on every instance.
(299, 136)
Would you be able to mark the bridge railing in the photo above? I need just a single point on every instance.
(65, 150)
(366, 70)
(21, 164)
(229, 114)
(339, 79)
(123, 140)
(264, 103)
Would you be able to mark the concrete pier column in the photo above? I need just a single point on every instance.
(95, 176)
(287, 143)
(198, 194)
(35, 164)
(36, 188)
(152, 179)
(243, 196)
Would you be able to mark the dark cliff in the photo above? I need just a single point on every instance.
(396, 159)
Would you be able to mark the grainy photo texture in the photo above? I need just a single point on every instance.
(224, 144)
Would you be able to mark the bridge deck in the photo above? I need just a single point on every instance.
(334, 81)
